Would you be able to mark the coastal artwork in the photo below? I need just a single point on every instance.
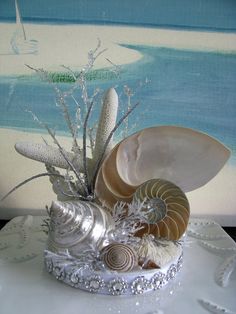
(176, 58)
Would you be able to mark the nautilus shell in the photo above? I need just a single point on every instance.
(183, 156)
(76, 224)
(119, 257)
(167, 209)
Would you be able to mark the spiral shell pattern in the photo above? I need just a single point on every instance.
(167, 209)
(76, 224)
(119, 257)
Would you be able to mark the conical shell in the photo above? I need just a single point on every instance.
(167, 206)
(183, 156)
(77, 224)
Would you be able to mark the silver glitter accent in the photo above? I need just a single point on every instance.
(75, 278)
(180, 263)
(171, 272)
(158, 281)
(49, 265)
(94, 283)
(58, 272)
(140, 285)
(117, 286)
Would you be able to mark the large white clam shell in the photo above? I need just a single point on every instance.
(186, 157)
(183, 156)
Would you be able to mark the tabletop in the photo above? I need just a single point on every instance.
(206, 283)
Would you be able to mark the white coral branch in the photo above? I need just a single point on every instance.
(49, 155)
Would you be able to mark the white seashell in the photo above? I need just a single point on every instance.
(180, 155)
(106, 123)
(204, 236)
(48, 154)
(76, 224)
(215, 249)
(213, 307)
(225, 270)
(119, 257)
(168, 209)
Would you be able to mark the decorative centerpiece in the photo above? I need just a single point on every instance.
(120, 216)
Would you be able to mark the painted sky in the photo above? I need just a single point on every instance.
(200, 14)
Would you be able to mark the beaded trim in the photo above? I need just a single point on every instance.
(107, 282)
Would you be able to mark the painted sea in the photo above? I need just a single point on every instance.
(173, 87)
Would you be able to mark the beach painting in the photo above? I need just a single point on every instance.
(176, 58)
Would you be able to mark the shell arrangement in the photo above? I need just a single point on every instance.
(152, 168)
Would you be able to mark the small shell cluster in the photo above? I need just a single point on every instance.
(119, 257)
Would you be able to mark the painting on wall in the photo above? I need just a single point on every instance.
(176, 58)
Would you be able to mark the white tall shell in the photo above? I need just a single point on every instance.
(48, 154)
(106, 123)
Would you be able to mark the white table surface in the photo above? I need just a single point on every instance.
(25, 286)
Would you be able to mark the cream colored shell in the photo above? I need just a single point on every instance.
(183, 156)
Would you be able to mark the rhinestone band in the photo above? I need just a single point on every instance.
(114, 284)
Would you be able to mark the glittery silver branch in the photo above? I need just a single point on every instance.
(88, 259)
(70, 164)
(85, 176)
(128, 220)
(40, 175)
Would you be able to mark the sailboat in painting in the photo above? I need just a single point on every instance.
(19, 42)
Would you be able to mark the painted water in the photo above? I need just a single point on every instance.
(187, 88)
(216, 15)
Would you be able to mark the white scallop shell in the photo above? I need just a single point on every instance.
(180, 155)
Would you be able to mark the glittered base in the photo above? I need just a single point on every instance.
(110, 283)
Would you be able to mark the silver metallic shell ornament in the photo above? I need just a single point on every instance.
(78, 224)
(119, 257)
(167, 209)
